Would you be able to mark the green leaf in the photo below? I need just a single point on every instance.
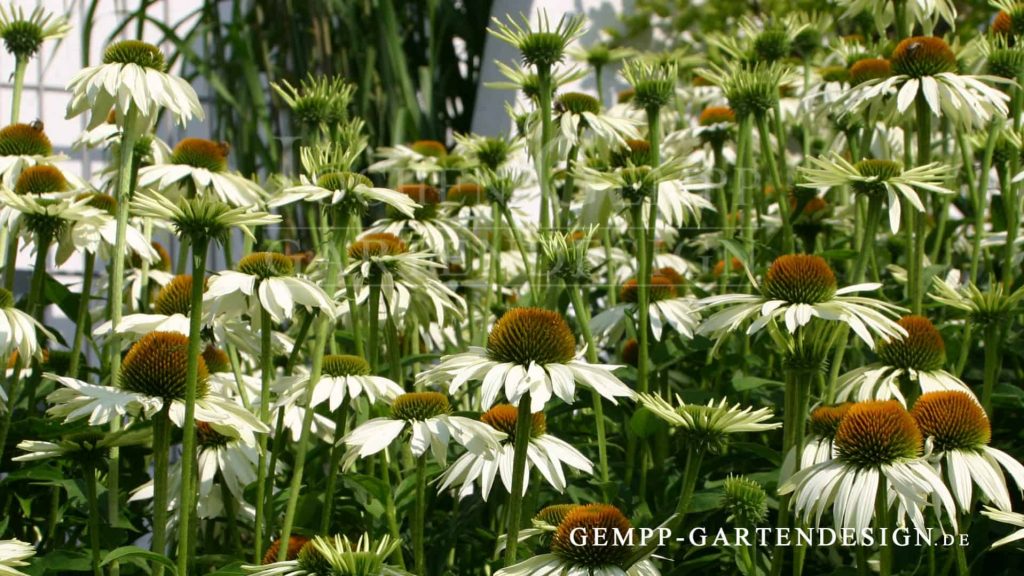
(129, 552)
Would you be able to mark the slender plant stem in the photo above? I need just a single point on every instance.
(324, 330)
(20, 66)
(992, 365)
(82, 321)
(389, 505)
(548, 201)
(188, 441)
(780, 190)
(337, 450)
(981, 195)
(161, 453)
(524, 420)
(266, 378)
(924, 154)
(643, 298)
(420, 517)
(882, 522)
(517, 235)
(583, 319)
(94, 517)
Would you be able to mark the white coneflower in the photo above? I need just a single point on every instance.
(81, 446)
(1014, 519)
(541, 46)
(529, 350)
(545, 452)
(345, 377)
(330, 556)
(667, 308)
(877, 443)
(202, 165)
(925, 12)
(13, 554)
(428, 416)
(21, 146)
(172, 307)
(384, 260)
(926, 67)
(18, 329)
(818, 446)
(579, 549)
(428, 225)
(798, 288)
(709, 425)
(918, 357)
(877, 177)
(956, 428)
(222, 461)
(265, 280)
(200, 217)
(96, 232)
(153, 374)
(24, 35)
(132, 74)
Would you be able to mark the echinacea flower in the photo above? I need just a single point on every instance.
(982, 308)
(424, 158)
(577, 112)
(427, 224)
(1014, 519)
(958, 431)
(819, 445)
(153, 374)
(918, 357)
(745, 500)
(21, 146)
(205, 218)
(541, 46)
(580, 547)
(877, 444)
(925, 12)
(330, 177)
(202, 165)
(751, 89)
(172, 307)
(89, 446)
(529, 350)
(667, 308)
(18, 330)
(318, 101)
(428, 415)
(13, 554)
(133, 74)
(345, 377)
(384, 260)
(222, 462)
(798, 288)
(265, 280)
(45, 218)
(24, 35)
(878, 177)
(331, 556)
(709, 425)
(926, 67)
(545, 452)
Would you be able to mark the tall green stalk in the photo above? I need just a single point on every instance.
(161, 475)
(781, 193)
(583, 319)
(266, 378)
(334, 243)
(94, 517)
(420, 517)
(82, 324)
(188, 441)
(524, 420)
(548, 201)
(20, 66)
(993, 363)
(924, 156)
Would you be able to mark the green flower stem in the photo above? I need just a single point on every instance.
(337, 451)
(94, 517)
(374, 337)
(583, 318)
(794, 417)
(780, 139)
(993, 362)
(20, 66)
(777, 180)
(266, 378)
(874, 217)
(82, 324)
(279, 434)
(924, 156)
(147, 233)
(491, 274)
(643, 297)
(570, 180)
(123, 194)
(389, 506)
(741, 190)
(981, 195)
(325, 329)
(694, 459)
(161, 471)
(882, 522)
(35, 305)
(599, 83)
(188, 441)
(612, 289)
(548, 201)
(517, 235)
(515, 498)
(420, 517)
